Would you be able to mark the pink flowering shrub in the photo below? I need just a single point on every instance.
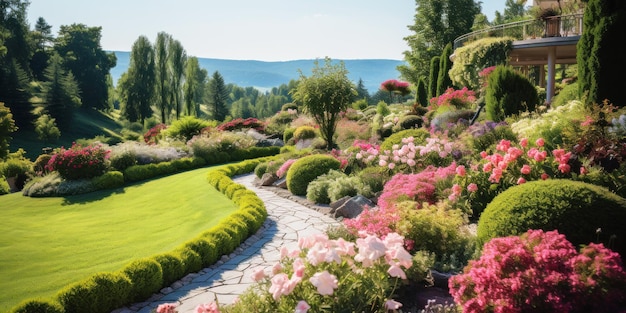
(211, 307)
(79, 162)
(324, 275)
(540, 272)
(153, 134)
(284, 167)
(240, 123)
(509, 165)
(460, 99)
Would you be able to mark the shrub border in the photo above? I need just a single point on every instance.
(93, 294)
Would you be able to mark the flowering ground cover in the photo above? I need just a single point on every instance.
(48, 243)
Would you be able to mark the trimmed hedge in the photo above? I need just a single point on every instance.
(575, 209)
(108, 180)
(105, 292)
(308, 168)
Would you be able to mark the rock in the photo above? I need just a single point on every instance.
(281, 183)
(303, 144)
(440, 279)
(335, 205)
(353, 207)
(268, 179)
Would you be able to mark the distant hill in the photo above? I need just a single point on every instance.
(266, 75)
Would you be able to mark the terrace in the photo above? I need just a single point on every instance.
(540, 42)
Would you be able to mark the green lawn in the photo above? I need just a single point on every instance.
(48, 243)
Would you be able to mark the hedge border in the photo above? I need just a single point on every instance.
(94, 294)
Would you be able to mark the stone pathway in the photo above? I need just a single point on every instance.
(224, 281)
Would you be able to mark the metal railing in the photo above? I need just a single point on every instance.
(554, 26)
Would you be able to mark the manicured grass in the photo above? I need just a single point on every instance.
(48, 243)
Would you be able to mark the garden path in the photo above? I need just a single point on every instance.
(232, 275)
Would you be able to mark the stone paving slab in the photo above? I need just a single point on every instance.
(224, 281)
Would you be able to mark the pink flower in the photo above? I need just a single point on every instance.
(298, 267)
(302, 307)
(521, 180)
(258, 274)
(391, 165)
(524, 142)
(525, 169)
(396, 271)
(545, 176)
(540, 142)
(588, 121)
(325, 283)
(281, 285)
(392, 304)
(472, 187)
(370, 249)
(583, 170)
(460, 170)
(207, 308)
(564, 168)
(166, 308)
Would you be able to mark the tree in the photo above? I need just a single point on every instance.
(79, 46)
(324, 95)
(42, 38)
(177, 64)
(433, 77)
(218, 96)
(361, 91)
(437, 23)
(61, 93)
(601, 65)
(422, 95)
(162, 79)
(444, 81)
(46, 128)
(137, 85)
(191, 86)
(7, 126)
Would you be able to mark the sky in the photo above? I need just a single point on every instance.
(265, 30)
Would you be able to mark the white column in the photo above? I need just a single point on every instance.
(551, 73)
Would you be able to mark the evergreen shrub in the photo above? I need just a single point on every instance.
(172, 267)
(146, 276)
(419, 134)
(38, 306)
(260, 169)
(192, 262)
(374, 177)
(123, 160)
(100, 293)
(304, 132)
(308, 168)
(317, 190)
(288, 134)
(410, 121)
(576, 209)
(509, 93)
(207, 251)
(108, 180)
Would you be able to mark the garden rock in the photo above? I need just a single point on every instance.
(268, 179)
(335, 205)
(353, 207)
(281, 183)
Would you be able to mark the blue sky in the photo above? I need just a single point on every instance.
(268, 30)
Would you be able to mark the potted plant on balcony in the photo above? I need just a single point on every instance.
(552, 20)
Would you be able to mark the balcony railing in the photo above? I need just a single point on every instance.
(554, 26)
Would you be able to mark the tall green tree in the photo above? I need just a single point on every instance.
(601, 64)
(79, 46)
(42, 39)
(7, 126)
(436, 23)
(422, 94)
(191, 86)
(177, 64)
(443, 79)
(324, 95)
(161, 56)
(14, 32)
(361, 91)
(137, 86)
(433, 76)
(61, 92)
(218, 96)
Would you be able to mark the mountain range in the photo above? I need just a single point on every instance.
(265, 75)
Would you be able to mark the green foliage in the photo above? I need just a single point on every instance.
(136, 87)
(101, 293)
(7, 126)
(600, 63)
(410, 121)
(4, 186)
(186, 127)
(289, 106)
(568, 93)
(146, 277)
(443, 80)
(324, 95)
(509, 93)
(108, 180)
(422, 93)
(46, 128)
(288, 134)
(124, 160)
(472, 58)
(38, 306)
(317, 190)
(304, 132)
(374, 177)
(575, 209)
(60, 95)
(307, 169)
(433, 76)
(419, 134)
(172, 267)
(260, 169)
(207, 251)
(43, 187)
(192, 262)
(14, 167)
(348, 186)
(382, 109)
(438, 230)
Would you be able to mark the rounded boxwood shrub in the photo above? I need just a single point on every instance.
(103, 292)
(288, 134)
(207, 251)
(508, 93)
(108, 180)
(419, 134)
(304, 132)
(260, 169)
(308, 168)
(123, 160)
(146, 277)
(172, 267)
(317, 190)
(575, 209)
(38, 306)
(192, 262)
(289, 106)
(410, 121)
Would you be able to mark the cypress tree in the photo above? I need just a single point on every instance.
(434, 76)
(443, 79)
(422, 95)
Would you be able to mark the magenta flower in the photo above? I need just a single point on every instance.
(540, 142)
(472, 187)
(525, 169)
